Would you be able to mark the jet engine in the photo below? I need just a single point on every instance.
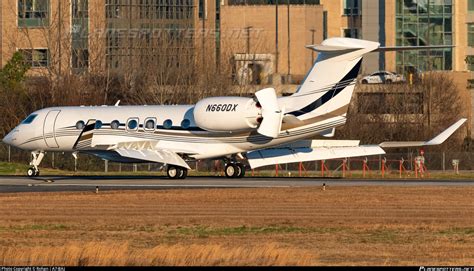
(231, 114)
(227, 114)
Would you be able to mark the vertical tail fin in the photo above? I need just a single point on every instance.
(329, 84)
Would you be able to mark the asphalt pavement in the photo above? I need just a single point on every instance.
(89, 183)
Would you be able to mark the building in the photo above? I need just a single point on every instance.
(258, 45)
(418, 23)
(94, 35)
(343, 18)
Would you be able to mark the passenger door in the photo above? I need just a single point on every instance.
(49, 133)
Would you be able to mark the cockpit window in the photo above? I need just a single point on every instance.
(29, 119)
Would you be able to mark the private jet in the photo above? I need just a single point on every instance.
(262, 130)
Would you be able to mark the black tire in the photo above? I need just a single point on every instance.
(231, 170)
(388, 81)
(241, 169)
(37, 173)
(364, 81)
(31, 172)
(183, 173)
(173, 172)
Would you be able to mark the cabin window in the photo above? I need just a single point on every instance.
(167, 124)
(150, 124)
(185, 124)
(29, 119)
(132, 124)
(115, 124)
(98, 124)
(80, 125)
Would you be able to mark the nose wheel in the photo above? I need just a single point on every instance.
(234, 170)
(175, 172)
(32, 172)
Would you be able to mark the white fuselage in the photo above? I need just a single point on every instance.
(54, 129)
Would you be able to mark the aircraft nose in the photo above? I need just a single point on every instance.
(9, 138)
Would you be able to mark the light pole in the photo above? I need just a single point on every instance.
(288, 19)
(312, 43)
(248, 38)
(276, 36)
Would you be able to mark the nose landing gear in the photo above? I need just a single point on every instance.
(234, 170)
(33, 171)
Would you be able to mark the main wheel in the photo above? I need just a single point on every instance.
(241, 170)
(183, 173)
(173, 172)
(231, 170)
(31, 172)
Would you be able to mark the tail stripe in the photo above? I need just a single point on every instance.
(343, 83)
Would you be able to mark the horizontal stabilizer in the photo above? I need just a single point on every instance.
(289, 155)
(408, 48)
(439, 139)
(328, 48)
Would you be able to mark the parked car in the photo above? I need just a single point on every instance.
(383, 77)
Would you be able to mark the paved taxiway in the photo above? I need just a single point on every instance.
(67, 183)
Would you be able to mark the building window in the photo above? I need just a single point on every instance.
(80, 9)
(470, 5)
(80, 58)
(201, 9)
(421, 23)
(470, 62)
(36, 58)
(351, 33)
(33, 13)
(272, 2)
(351, 7)
(470, 34)
(389, 103)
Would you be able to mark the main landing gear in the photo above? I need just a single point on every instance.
(33, 170)
(175, 172)
(234, 170)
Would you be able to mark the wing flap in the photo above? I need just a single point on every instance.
(291, 155)
(157, 156)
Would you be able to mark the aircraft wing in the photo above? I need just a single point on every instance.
(157, 156)
(310, 151)
(439, 139)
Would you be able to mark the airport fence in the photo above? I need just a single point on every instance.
(379, 164)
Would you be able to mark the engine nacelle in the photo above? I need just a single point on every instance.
(227, 114)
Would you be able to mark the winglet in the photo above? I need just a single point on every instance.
(439, 139)
(446, 133)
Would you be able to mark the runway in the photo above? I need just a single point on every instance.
(10, 184)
